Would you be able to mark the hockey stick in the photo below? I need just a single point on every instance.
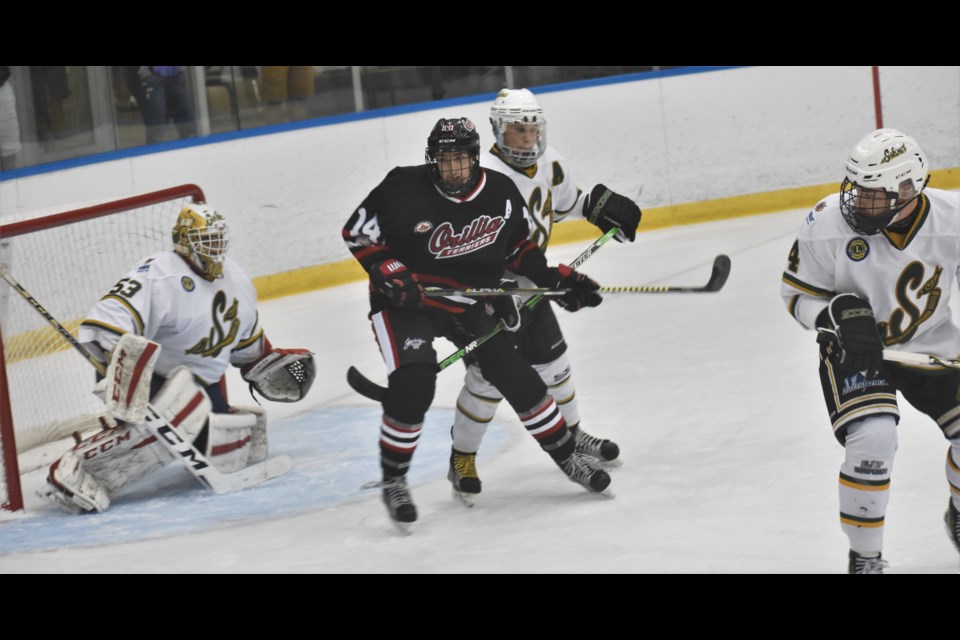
(163, 431)
(369, 389)
(718, 277)
(904, 357)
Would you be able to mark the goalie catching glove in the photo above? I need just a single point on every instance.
(281, 375)
(607, 209)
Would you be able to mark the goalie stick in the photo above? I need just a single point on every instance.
(718, 277)
(369, 389)
(165, 433)
(903, 357)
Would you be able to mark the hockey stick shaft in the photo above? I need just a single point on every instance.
(903, 357)
(718, 277)
(160, 428)
(366, 387)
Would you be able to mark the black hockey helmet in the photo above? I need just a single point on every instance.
(450, 136)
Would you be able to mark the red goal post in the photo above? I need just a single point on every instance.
(67, 261)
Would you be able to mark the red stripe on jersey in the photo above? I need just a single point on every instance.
(366, 252)
(393, 342)
(429, 280)
(480, 184)
(523, 248)
(434, 302)
(138, 370)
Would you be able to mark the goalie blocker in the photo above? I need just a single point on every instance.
(124, 451)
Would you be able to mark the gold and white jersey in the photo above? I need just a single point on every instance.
(908, 278)
(203, 325)
(547, 187)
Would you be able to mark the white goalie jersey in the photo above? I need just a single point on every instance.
(909, 278)
(546, 186)
(203, 325)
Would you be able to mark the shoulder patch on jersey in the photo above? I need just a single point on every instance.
(820, 206)
(143, 268)
(187, 283)
(858, 249)
(424, 226)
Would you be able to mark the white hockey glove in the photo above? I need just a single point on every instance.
(281, 375)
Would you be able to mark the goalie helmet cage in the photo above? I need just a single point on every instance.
(67, 261)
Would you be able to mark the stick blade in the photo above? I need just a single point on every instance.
(362, 385)
(721, 271)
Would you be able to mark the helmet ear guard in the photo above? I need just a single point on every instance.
(518, 107)
(201, 236)
(885, 172)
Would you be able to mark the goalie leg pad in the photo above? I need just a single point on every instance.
(556, 375)
(476, 407)
(236, 439)
(120, 456)
(71, 486)
(128, 377)
(183, 403)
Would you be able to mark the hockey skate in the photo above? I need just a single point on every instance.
(463, 476)
(584, 470)
(863, 565)
(952, 521)
(400, 505)
(606, 452)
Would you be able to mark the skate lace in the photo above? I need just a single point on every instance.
(588, 444)
(397, 492)
(465, 465)
(870, 565)
(578, 468)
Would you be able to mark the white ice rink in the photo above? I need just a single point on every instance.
(729, 461)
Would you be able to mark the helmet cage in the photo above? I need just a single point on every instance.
(201, 235)
(453, 137)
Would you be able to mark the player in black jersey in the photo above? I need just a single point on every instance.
(448, 223)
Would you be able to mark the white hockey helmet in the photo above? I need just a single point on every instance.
(518, 106)
(200, 235)
(885, 171)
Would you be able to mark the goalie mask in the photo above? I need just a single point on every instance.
(200, 235)
(519, 126)
(453, 155)
(885, 172)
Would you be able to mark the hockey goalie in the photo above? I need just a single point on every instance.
(168, 331)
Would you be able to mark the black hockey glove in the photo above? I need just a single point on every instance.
(392, 278)
(858, 341)
(583, 290)
(607, 209)
(507, 308)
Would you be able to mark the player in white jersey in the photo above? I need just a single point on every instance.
(877, 263)
(200, 308)
(545, 182)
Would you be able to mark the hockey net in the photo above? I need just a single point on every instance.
(66, 261)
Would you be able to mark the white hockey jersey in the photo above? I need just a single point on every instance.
(547, 187)
(908, 278)
(203, 325)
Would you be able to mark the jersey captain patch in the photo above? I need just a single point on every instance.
(858, 249)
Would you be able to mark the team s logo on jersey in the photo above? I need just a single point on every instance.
(447, 243)
(187, 283)
(423, 226)
(858, 249)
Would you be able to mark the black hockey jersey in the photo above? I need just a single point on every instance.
(448, 242)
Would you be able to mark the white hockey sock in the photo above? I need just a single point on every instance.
(864, 482)
(476, 406)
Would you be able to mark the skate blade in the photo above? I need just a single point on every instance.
(467, 499)
(609, 464)
(406, 528)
